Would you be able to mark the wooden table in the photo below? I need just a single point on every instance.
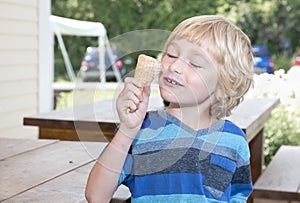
(46, 170)
(96, 121)
(91, 122)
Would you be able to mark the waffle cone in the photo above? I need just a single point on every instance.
(146, 68)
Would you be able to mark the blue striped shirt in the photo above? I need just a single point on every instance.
(171, 162)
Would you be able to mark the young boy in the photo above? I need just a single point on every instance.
(187, 152)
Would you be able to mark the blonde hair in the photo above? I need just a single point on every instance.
(231, 48)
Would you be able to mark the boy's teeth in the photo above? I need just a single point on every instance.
(171, 81)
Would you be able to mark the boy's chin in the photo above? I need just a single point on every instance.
(168, 97)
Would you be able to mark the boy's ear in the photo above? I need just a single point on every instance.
(219, 92)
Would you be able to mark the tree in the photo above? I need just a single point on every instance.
(120, 17)
(271, 22)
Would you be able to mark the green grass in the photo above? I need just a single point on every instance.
(81, 97)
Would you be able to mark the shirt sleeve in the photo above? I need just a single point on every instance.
(242, 182)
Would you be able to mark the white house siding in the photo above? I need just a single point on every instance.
(19, 66)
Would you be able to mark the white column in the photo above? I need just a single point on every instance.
(46, 58)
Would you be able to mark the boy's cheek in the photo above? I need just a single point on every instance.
(160, 76)
(165, 62)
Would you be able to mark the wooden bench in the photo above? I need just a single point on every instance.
(281, 179)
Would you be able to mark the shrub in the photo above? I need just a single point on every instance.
(282, 129)
(282, 62)
(284, 126)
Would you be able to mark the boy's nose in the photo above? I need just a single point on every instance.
(178, 65)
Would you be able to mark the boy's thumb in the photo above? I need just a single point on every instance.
(147, 90)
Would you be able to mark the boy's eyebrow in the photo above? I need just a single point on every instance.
(173, 43)
(204, 56)
(198, 52)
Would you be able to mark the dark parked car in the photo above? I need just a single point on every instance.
(263, 60)
(89, 70)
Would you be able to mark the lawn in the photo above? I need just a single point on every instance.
(79, 97)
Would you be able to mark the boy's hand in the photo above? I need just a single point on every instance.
(132, 106)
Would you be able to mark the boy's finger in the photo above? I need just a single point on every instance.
(133, 97)
(134, 81)
(147, 89)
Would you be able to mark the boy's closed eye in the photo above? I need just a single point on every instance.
(200, 60)
(195, 65)
(172, 51)
(172, 55)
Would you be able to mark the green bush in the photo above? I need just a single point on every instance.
(282, 129)
(282, 62)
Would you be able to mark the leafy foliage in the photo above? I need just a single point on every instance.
(120, 17)
(271, 22)
(282, 61)
(283, 128)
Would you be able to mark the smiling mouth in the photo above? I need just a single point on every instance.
(172, 82)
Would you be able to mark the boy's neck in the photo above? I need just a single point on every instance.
(194, 117)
